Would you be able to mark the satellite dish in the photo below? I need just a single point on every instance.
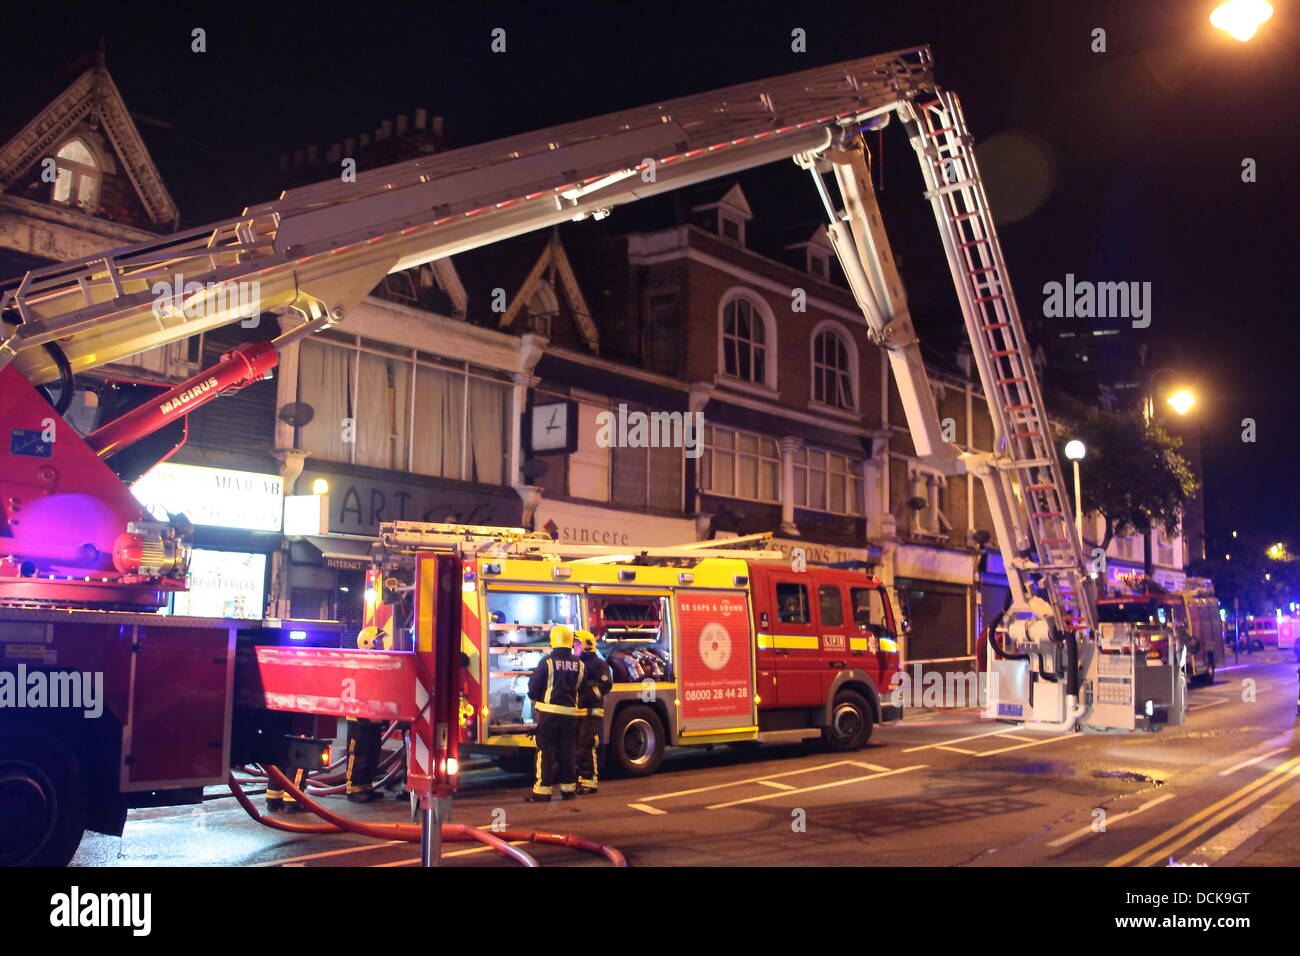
(297, 414)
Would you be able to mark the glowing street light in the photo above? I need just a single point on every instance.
(1277, 551)
(1181, 401)
(1075, 450)
(1241, 18)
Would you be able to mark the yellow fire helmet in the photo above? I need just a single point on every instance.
(561, 636)
(370, 639)
(588, 639)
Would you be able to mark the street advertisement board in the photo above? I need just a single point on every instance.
(716, 661)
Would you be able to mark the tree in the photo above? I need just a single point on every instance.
(1132, 474)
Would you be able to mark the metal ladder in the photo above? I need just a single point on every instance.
(1022, 432)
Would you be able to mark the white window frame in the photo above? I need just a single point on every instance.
(930, 520)
(79, 171)
(708, 443)
(415, 363)
(762, 311)
(854, 476)
(851, 355)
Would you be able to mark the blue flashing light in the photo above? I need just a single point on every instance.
(297, 635)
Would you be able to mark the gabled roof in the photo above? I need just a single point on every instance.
(92, 96)
(729, 195)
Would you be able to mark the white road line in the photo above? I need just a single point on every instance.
(1084, 831)
(737, 783)
(1252, 761)
(1036, 743)
(1207, 704)
(820, 786)
(646, 808)
(415, 860)
(1018, 737)
(958, 740)
(316, 856)
(776, 786)
(960, 750)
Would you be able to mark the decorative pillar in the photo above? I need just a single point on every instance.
(789, 445)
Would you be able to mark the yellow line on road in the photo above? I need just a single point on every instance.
(776, 786)
(1036, 743)
(820, 786)
(1216, 812)
(646, 808)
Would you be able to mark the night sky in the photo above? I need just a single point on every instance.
(1145, 141)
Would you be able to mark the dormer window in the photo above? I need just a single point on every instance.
(732, 228)
(818, 264)
(77, 175)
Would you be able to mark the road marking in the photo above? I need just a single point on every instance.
(1084, 831)
(1166, 842)
(1017, 737)
(1036, 743)
(1207, 704)
(646, 808)
(1252, 761)
(1228, 840)
(316, 856)
(415, 860)
(960, 750)
(958, 740)
(770, 776)
(775, 785)
(819, 786)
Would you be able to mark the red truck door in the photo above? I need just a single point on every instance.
(794, 640)
(835, 630)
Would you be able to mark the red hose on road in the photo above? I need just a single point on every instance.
(410, 833)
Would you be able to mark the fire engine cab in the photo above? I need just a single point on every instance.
(706, 646)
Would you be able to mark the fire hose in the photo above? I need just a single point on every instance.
(410, 833)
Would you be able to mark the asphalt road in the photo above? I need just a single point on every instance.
(939, 789)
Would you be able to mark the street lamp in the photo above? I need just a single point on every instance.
(1241, 18)
(1074, 450)
(1180, 400)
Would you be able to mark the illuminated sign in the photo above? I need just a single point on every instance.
(212, 496)
(223, 584)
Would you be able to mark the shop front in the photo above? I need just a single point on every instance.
(237, 522)
(570, 523)
(936, 588)
(326, 569)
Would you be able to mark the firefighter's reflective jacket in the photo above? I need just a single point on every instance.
(555, 683)
(595, 685)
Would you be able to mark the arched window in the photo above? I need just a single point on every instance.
(832, 370)
(744, 342)
(77, 178)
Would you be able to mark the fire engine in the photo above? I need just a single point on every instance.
(707, 644)
(84, 569)
(1173, 625)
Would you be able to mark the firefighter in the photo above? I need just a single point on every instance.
(591, 700)
(553, 689)
(281, 801)
(364, 743)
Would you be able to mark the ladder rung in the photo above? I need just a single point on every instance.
(1016, 408)
(940, 132)
(972, 242)
(1026, 435)
(1003, 353)
(1049, 514)
(1014, 379)
(988, 298)
(997, 325)
(976, 272)
(926, 106)
(965, 215)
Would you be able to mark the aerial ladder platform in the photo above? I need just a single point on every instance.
(316, 251)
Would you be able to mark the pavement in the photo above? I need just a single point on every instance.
(941, 788)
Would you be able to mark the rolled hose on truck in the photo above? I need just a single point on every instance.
(409, 832)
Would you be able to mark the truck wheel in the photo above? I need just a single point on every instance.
(636, 742)
(850, 726)
(42, 801)
(1207, 675)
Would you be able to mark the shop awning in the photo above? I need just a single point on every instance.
(345, 553)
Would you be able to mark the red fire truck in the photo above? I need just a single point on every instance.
(1171, 622)
(707, 645)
